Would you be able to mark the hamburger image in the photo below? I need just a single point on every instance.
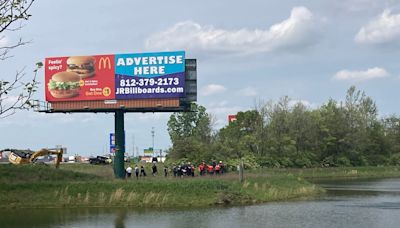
(82, 65)
(64, 85)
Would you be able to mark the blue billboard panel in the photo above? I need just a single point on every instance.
(150, 75)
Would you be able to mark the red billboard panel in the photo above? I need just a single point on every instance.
(231, 118)
(80, 78)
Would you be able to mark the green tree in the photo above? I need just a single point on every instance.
(191, 134)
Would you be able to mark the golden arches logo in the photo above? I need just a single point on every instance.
(104, 63)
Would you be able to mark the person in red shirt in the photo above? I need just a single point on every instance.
(202, 169)
(210, 169)
(217, 169)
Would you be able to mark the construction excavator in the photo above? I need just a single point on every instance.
(28, 156)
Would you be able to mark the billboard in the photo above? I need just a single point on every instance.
(115, 77)
(231, 118)
(112, 143)
(148, 151)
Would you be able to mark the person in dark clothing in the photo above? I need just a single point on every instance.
(137, 172)
(214, 163)
(175, 170)
(180, 171)
(154, 169)
(222, 167)
(188, 169)
(165, 171)
(142, 171)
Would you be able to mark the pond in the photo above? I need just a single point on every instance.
(348, 203)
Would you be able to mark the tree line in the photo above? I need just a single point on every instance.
(280, 134)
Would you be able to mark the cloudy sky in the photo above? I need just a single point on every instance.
(247, 50)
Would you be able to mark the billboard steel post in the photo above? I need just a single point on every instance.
(119, 167)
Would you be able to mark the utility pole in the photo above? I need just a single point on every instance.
(119, 166)
(152, 135)
(133, 145)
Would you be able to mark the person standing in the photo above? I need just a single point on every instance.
(154, 169)
(217, 169)
(210, 170)
(165, 171)
(137, 172)
(142, 171)
(129, 171)
(222, 167)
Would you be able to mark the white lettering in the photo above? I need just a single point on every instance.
(145, 61)
(179, 59)
(137, 60)
(120, 62)
(161, 70)
(171, 60)
(129, 61)
(153, 70)
(138, 71)
(152, 60)
(57, 61)
(160, 59)
(146, 70)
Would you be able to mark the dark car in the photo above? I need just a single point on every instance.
(100, 160)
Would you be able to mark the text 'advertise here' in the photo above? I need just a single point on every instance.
(115, 77)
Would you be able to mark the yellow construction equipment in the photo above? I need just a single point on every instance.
(27, 156)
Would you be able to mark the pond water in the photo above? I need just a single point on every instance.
(350, 203)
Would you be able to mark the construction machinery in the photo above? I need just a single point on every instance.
(27, 156)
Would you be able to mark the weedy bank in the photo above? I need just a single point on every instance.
(29, 186)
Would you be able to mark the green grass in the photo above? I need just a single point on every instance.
(84, 185)
(79, 185)
(336, 172)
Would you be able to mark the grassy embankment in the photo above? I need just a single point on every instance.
(79, 185)
(337, 172)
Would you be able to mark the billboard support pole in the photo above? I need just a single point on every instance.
(119, 166)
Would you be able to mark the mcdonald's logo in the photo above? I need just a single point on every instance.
(104, 63)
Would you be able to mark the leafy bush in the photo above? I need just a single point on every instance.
(302, 162)
(395, 159)
(343, 161)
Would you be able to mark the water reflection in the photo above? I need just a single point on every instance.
(372, 203)
(120, 218)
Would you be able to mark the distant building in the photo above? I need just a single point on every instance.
(149, 159)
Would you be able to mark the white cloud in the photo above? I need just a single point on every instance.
(360, 5)
(381, 30)
(371, 73)
(248, 92)
(212, 89)
(298, 31)
(154, 116)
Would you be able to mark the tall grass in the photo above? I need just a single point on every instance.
(78, 185)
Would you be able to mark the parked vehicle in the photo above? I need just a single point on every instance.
(100, 160)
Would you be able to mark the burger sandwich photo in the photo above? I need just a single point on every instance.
(64, 85)
(82, 65)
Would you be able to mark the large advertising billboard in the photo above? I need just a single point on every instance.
(115, 77)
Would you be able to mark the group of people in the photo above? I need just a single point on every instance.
(211, 169)
(184, 169)
(138, 172)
